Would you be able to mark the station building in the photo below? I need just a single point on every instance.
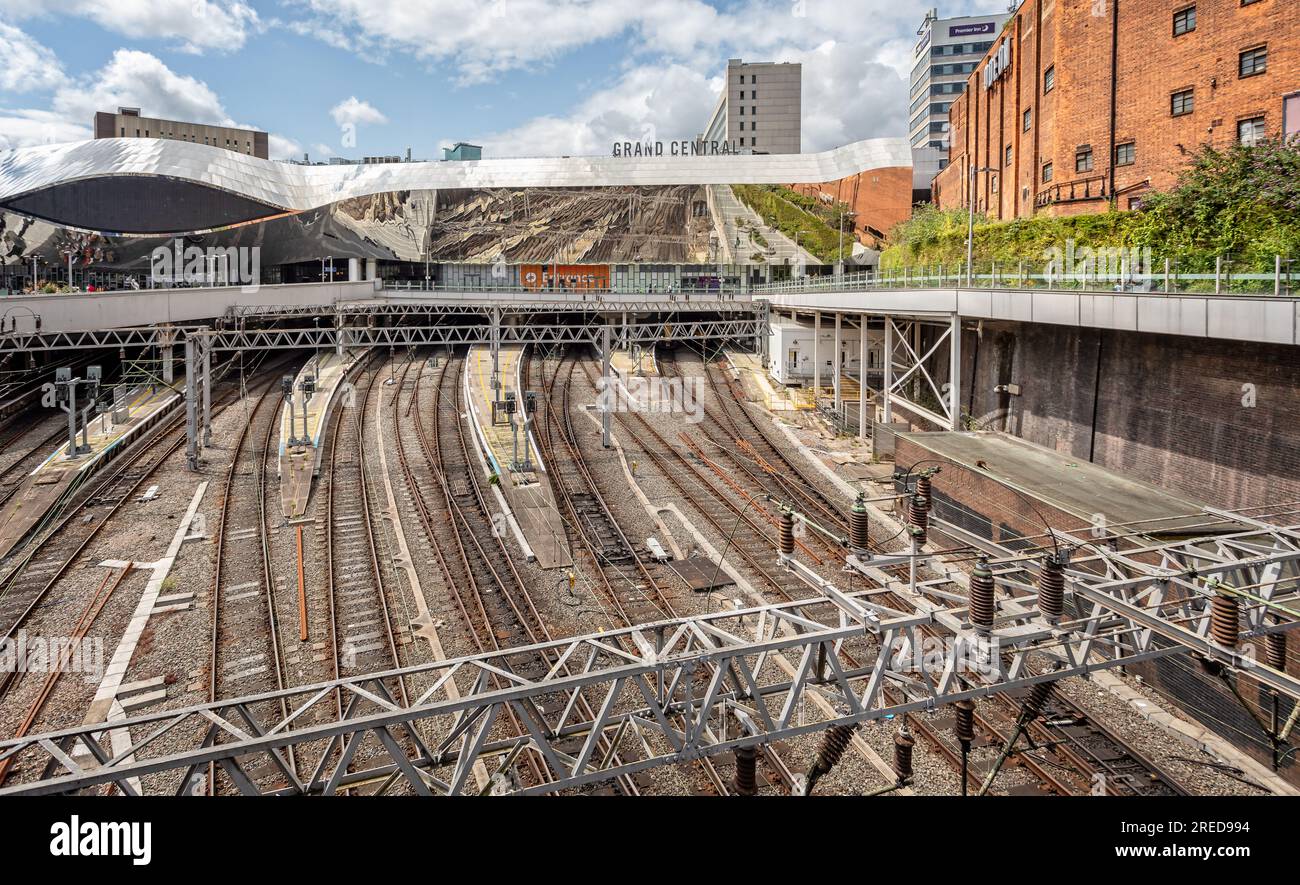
(760, 108)
(947, 52)
(635, 223)
(128, 123)
(1080, 105)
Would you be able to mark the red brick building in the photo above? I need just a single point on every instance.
(878, 199)
(1083, 103)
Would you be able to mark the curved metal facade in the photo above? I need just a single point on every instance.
(164, 179)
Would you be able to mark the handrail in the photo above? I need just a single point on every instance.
(1282, 283)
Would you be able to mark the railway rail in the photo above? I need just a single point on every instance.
(741, 440)
(245, 653)
(33, 571)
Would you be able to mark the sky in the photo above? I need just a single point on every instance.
(353, 78)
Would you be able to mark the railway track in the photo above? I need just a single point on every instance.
(361, 623)
(11, 477)
(75, 521)
(631, 586)
(444, 489)
(1080, 748)
(245, 654)
(493, 598)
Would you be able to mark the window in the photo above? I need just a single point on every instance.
(1049, 79)
(741, 96)
(742, 125)
(742, 142)
(753, 142)
(753, 78)
(753, 111)
(1029, 118)
(1083, 160)
(753, 95)
(1047, 172)
(1184, 21)
(1126, 154)
(1008, 161)
(994, 182)
(1252, 131)
(753, 126)
(742, 110)
(1253, 61)
(1182, 103)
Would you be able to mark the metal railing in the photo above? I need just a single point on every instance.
(515, 292)
(1155, 278)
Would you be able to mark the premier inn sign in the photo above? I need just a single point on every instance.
(697, 148)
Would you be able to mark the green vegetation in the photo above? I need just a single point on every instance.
(1241, 202)
(932, 237)
(790, 212)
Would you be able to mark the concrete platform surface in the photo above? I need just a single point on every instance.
(300, 463)
(44, 486)
(527, 493)
(1066, 483)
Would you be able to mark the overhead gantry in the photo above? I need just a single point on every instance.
(689, 687)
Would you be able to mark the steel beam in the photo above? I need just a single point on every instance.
(846, 647)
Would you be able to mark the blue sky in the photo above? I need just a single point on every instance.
(522, 77)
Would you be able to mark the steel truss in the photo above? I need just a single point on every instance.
(909, 362)
(414, 306)
(1163, 593)
(746, 328)
(144, 336)
(696, 686)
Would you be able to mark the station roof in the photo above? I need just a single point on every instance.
(78, 184)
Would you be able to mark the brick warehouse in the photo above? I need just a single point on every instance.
(1137, 86)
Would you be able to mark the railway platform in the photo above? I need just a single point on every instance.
(302, 429)
(512, 455)
(102, 439)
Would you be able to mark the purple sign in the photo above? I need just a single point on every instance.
(969, 30)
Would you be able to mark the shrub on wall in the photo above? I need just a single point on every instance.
(1241, 202)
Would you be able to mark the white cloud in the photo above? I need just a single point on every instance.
(137, 79)
(26, 65)
(21, 128)
(282, 148)
(353, 111)
(483, 40)
(189, 25)
(856, 62)
(647, 104)
(130, 79)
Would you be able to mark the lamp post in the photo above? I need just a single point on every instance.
(970, 224)
(840, 254)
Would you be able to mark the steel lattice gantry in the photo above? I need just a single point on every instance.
(696, 686)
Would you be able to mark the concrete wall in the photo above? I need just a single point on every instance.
(146, 307)
(1214, 420)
